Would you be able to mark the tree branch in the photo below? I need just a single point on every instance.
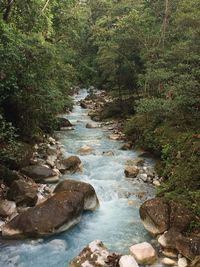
(45, 6)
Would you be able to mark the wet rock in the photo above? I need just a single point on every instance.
(54, 215)
(94, 255)
(63, 123)
(128, 261)
(126, 146)
(7, 208)
(108, 153)
(169, 262)
(182, 262)
(155, 215)
(91, 201)
(188, 247)
(71, 164)
(115, 137)
(83, 104)
(23, 192)
(131, 171)
(85, 150)
(143, 177)
(144, 253)
(91, 126)
(41, 174)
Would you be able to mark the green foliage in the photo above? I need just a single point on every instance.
(8, 143)
(37, 56)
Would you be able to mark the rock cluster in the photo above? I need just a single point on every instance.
(28, 204)
(56, 214)
(97, 255)
(169, 221)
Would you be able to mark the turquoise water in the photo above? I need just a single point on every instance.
(116, 222)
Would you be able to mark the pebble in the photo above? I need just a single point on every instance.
(182, 262)
(127, 261)
(169, 262)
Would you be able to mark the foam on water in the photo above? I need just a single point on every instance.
(117, 221)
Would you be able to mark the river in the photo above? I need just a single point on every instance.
(116, 222)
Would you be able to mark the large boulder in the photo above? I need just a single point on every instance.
(144, 253)
(155, 215)
(159, 215)
(63, 123)
(91, 201)
(131, 171)
(188, 247)
(94, 255)
(54, 215)
(71, 164)
(23, 192)
(40, 174)
(7, 208)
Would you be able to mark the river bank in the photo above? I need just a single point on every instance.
(117, 222)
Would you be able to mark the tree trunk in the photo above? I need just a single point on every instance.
(8, 10)
(165, 22)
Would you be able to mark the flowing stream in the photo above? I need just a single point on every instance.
(116, 222)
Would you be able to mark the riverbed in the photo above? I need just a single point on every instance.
(116, 222)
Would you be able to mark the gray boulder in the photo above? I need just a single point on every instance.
(155, 215)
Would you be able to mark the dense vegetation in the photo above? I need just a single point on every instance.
(146, 53)
(38, 55)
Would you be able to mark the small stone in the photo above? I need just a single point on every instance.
(170, 253)
(162, 241)
(114, 137)
(52, 141)
(156, 183)
(182, 262)
(169, 262)
(144, 253)
(127, 261)
(131, 171)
